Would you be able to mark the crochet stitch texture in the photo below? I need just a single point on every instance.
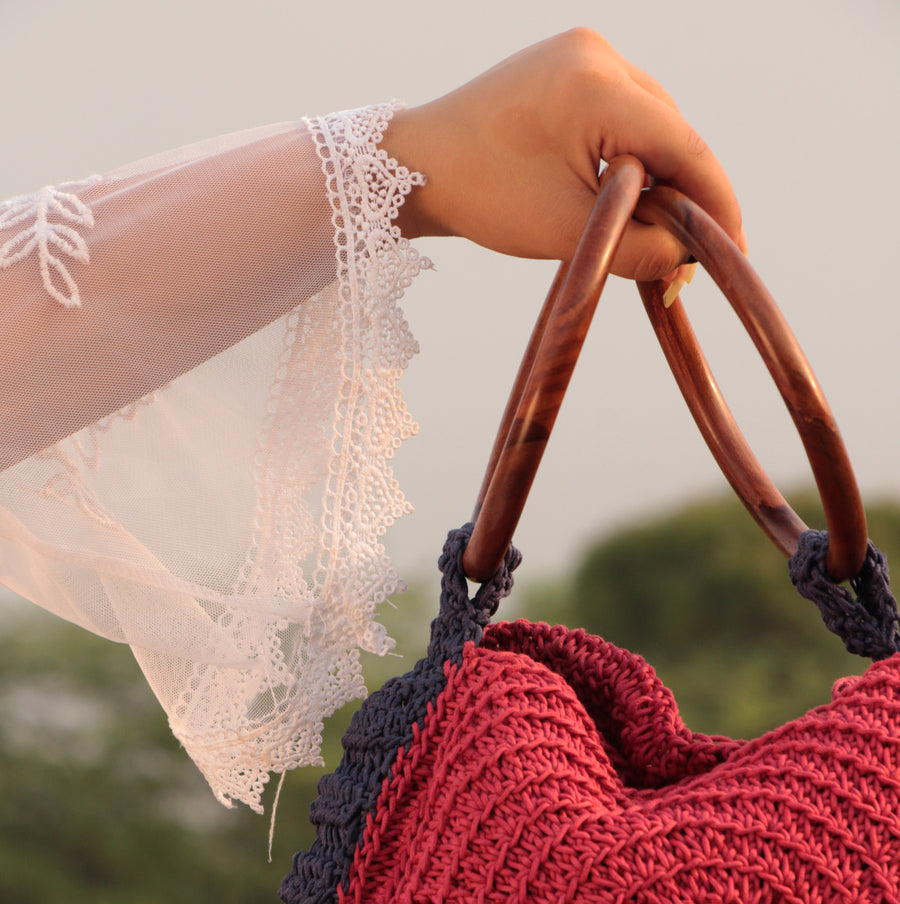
(551, 766)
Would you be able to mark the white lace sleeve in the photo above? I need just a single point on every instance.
(198, 411)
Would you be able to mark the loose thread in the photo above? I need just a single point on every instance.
(274, 811)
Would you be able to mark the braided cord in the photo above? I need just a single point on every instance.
(866, 619)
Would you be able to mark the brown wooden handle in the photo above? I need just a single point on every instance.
(847, 532)
(546, 369)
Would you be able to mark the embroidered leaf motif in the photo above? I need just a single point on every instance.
(53, 214)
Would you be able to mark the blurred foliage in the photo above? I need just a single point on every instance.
(101, 805)
(704, 596)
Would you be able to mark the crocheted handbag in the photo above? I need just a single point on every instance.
(518, 762)
(524, 763)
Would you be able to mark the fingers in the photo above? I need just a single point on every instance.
(648, 83)
(672, 152)
(636, 115)
(648, 252)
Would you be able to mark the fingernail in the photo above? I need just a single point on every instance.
(688, 272)
(672, 292)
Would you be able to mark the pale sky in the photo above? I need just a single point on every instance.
(798, 99)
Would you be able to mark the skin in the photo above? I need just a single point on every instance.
(512, 156)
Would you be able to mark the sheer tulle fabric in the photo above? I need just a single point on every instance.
(199, 407)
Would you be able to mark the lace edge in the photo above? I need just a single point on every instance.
(375, 264)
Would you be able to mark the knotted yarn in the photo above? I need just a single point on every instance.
(540, 764)
(868, 622)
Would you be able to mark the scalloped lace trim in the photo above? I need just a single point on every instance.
(332, 566)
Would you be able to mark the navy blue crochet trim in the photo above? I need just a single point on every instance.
(384, 725)
(868, 622)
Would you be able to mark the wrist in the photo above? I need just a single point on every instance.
(406, 140)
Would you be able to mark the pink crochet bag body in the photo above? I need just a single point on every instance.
(520, 762)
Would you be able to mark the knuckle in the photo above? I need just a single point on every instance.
(584, 55)
(655, 262)
(585, 73)
(696, 146)
(584, 40)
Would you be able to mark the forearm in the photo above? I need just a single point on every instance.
(178, 261)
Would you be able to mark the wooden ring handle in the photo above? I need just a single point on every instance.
(546, 369)
(847, 532)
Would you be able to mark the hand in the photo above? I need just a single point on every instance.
(512, 157)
